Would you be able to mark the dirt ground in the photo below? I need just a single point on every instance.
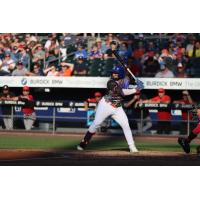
(23, 157)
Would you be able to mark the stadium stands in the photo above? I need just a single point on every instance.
(46, 50)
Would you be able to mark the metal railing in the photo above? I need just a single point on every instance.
(53, 119)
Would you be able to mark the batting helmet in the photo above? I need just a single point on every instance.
(119, 70)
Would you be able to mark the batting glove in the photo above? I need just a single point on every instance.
(140, 84)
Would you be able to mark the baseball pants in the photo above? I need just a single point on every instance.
(104, 110)
(29, 120)
(8, 122)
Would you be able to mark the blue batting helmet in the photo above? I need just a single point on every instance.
(119, 70)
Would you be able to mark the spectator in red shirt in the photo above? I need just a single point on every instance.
(96, 99)
(28, 111)
(163, 116)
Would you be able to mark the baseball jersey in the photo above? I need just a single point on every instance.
(27, 110)
(114, 91)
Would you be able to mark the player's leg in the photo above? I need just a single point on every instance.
(148, 124)
(26, 122)
(103, 111)
(121, 118)
(5, 121)
(185, 142)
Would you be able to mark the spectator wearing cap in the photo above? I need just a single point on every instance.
(21, 70)
(164, 72)
(180, 71)
(80, 67)
(133, 103)
(38, 53)
(8, 63)
(28, 110)
(186, 99)
(66, 69)
(81, 52)
(7, 110)
(163, 116)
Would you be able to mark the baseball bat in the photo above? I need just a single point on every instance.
(119, 58)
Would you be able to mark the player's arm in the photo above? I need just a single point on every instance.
(128, 104)
(189, 97)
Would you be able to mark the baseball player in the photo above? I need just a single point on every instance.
(185, 142)
(28, 111)
(111, 105)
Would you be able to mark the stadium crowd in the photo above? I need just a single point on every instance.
(66, 54)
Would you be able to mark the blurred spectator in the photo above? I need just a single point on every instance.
(8, 64)
(21, 70)
(139, 51)
(81, 52)
(134, 66)
(150, 66)
(49, 42)
(80, 67)
(195, 52)
(180, 71)
(24, 56)
(66, 69)
(37, 70)
(101, 45)
(63, 50)
(190, 45)
(164, 72)
(113, 47)
(51, 71)
(38, 53)
(124, 52)
(95, 53)
(54, 47)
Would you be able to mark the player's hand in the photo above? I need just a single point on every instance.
(140, 84)
(186, 92)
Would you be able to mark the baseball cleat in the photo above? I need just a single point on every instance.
(80, 148)
(133, 150)
(184, 144)
(82, 145)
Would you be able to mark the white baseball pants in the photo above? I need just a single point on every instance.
(104, 110)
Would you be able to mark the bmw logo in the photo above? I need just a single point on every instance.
(24, 81)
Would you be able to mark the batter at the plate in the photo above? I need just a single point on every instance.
(111, 105)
